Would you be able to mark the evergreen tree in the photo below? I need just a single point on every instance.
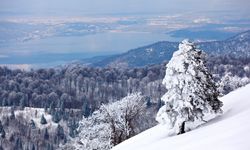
(18, 144)
(43, 120)
(23, 101)
(45, 107)
(86, 110)
(7, 121)
(148, 102)
(46, 134)
(27, 147)
(56, 117)
(4, 102)
(33, 147)
(60, 132)
(73, 125)
(12, 114)
(12, 138)
(52, 107)
(49, 147)
(192, 95)
(32, 124)
(2, 132)
(71, 132)
(62, 106)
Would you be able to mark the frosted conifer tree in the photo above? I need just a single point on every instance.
(192, 97)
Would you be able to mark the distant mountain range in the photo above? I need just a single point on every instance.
(159, 52)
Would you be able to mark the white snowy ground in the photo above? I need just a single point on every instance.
(231, 131)
(32, 113)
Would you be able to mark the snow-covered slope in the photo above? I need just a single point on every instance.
(231, 131)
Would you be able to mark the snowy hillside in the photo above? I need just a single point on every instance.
(227, 132)
(34, 114)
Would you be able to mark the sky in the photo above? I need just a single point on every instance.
(80, 7)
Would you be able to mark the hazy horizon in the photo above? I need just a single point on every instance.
(81, 7)
(31, 28)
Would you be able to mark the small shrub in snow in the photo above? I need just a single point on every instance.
(231, 82)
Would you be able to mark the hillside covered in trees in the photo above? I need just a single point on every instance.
(69, 93)
(157, 53)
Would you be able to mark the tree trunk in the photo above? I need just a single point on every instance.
(182, 128)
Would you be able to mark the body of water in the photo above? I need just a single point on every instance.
(57, 50)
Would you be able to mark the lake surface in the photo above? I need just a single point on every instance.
(54, 50)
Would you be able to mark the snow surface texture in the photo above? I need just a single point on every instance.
(230, 131)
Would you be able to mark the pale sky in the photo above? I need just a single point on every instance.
(76, 7)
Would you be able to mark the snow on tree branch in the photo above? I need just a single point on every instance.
(111, 124)
(192, 96)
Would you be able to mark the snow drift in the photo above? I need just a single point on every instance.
(229, 131)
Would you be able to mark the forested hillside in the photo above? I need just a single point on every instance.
(237, 46)
(67, 94)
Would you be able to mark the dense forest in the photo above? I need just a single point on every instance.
(71, 92)
(79, 87)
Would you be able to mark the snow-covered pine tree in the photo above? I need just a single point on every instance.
(192, 96)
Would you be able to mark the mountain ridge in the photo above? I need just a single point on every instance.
(156, 53)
